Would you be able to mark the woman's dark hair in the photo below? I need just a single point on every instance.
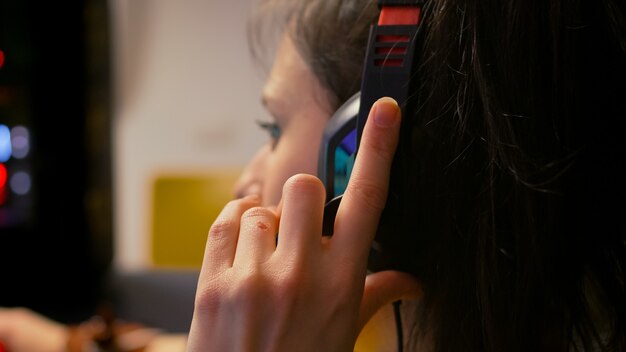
(513, 195)
(330, 35)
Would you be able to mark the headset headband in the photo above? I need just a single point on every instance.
(389, 62)
(388, 70)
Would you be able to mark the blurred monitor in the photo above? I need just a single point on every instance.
(55, 173)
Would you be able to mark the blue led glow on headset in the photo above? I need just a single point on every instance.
(389, 70)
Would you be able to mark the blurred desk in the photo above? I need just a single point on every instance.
(161, 299)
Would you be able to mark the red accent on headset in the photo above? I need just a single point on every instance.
(389, 62)
(399, 15)
(393, 50)
(395, 16)
(393, 39)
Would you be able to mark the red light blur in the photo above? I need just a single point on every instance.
(3, 175)
(1, 58)
(3, 182)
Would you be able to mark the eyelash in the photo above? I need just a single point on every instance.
(272, 128)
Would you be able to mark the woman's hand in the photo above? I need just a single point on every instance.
(300, 292)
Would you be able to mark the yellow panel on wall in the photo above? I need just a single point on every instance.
(183, 209)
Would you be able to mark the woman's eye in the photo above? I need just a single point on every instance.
(272, 128)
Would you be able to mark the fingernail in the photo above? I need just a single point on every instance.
(386, 113)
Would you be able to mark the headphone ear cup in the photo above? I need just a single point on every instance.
(338, 148)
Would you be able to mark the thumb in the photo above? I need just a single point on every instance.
(385, 287)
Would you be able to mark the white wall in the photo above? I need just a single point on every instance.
(186, 98)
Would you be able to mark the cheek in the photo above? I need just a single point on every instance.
(293, 155)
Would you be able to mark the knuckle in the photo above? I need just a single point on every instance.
(242, 290)
(227, 221)
(249, 290)
(288, 284)
(257, 212)
(258, 219)
(208, 298)
(367, 193)
(288, 288)
(221, 227)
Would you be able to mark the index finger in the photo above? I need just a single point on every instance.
(366, 194)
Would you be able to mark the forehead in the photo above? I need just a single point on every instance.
(291, 83)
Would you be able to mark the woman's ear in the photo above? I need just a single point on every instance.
(385, 287)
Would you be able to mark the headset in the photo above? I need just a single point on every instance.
(389, 70)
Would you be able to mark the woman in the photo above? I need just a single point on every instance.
(513, 213)
(301, 106)
(512, 206)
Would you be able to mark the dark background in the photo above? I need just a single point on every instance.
(56, 245)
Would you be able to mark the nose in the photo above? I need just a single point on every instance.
(251, 179)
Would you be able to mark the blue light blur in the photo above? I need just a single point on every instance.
(5, 143)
